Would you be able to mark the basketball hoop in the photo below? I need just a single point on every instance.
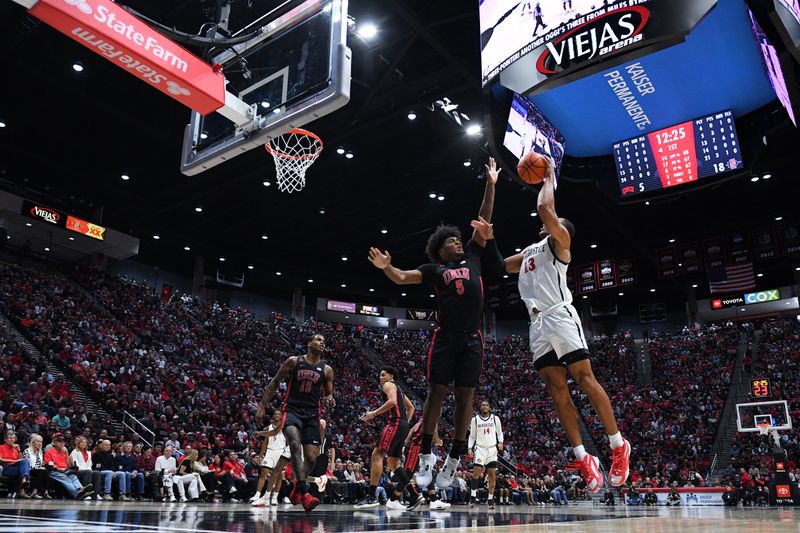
(293, 153)
(764, 427)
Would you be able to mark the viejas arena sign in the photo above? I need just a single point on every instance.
(614, 33)
(107, 29)
(44, 214)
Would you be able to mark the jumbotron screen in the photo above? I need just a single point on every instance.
(510, 27)
(529, 131)
(678, 155)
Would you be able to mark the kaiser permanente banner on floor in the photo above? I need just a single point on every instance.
(705, 496)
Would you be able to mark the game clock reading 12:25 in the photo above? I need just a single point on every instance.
(680, 154)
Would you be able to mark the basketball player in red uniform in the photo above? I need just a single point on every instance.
(456, 351)
(557, 341)
(400, 410)
(309, 379)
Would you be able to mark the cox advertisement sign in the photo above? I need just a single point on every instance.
(772, 295)
(110, 31)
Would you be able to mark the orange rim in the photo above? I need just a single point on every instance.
(297, 131)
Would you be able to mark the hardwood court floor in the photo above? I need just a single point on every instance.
(115, 517)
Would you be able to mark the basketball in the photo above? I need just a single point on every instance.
(532, 168)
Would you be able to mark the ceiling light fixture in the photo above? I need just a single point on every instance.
(156, 236)
(265, 104)
(760, 275)
(432, 195)
(187, 248)
(621, 294)
(467, 162)
(371, 289)
(593, 246)
(671, 241)
(199, 208)
(204, 135)
(766, 176)
(250, 267)
(384, 231)
(340, 151)
(343, 285)
(266, 183)
(778, 219)
(534, 213)
(349, 155)
(694, 285)
(412, 115)
(754, 179)
(322, 211)
(310, 280)
(344, 258)
(518, 249)
(367, 30)
(431, 295)
(221, 259)
(652, 290)
(71, 238)
(125, 177)
(77, 66)
(473, 130)
(2, 123)
(46, 248)
(28, 224)
(440, 198)
(277, 273)
(402, 294)
(264, 237)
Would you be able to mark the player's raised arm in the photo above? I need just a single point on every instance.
(283, 371)
(383, 260)
(487, 206)
(546, 206)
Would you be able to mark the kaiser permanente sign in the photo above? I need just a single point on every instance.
(750, 298)
(129, 43)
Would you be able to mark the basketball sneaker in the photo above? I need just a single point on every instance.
(321, 482)
(473, 502)
(439, 505)
(262, 501)
(366, 503)
(415, 503)
(296, 497)
(274, 499)
(445, 477)
(490, 504)
(589, 468)
(425, 470)
(309, 502)
(620, 464)
(255, 497)
(395, 505)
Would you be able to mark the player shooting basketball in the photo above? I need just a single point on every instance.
(556, 335)
(456, 351)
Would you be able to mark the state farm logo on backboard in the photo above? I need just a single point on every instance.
(598, 37)
(43, 213)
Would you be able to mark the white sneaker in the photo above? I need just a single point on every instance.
(274, 499)
(322, 482)
(261, 502)
(287, 500)
(255, 497)
(439, 505)
(445, 477)
(183, 499)
(425, 470)
(172, 499)
(395, 505)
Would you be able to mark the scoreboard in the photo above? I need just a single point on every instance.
(677, 155)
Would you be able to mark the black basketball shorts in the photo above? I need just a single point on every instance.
(393, 437)
(455, 357)
(308, 426)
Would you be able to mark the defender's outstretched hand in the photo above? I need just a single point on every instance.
(492, 172)
(380, 259)
(483, 228)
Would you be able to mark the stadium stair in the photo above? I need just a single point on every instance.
(644, 367)
(91, 405)
(737, 393)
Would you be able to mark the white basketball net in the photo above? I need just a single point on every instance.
(293, 153)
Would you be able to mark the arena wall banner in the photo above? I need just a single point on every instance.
(690, 496)
(690, 258)
(587, 278)
(111, 32)
(626, 270)
(790, 239)
(765, 245)
(607, 274)
(43, 213)
(715, 253)
(667, 261)
(577, 42)
(738, 249)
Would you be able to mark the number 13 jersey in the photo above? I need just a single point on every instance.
(543, 278)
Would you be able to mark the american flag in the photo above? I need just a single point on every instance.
(730, 279)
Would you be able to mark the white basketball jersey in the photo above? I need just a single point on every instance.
(278, 442)
(488, 432)
(542, 278)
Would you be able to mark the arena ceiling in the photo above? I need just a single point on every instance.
(70, 135)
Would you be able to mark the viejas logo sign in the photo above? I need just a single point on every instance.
(598, 37)
(43, 214)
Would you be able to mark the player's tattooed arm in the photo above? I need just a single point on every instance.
(383, 260)
(329, 387)
(546, 206)
(487, 206)
(283, 371)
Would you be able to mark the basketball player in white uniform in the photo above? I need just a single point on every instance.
(557, 340)
(485, 441)
(275, 459)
